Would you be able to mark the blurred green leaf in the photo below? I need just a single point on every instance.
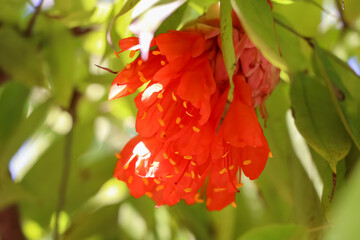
(11, 193)
(317, 120)
(11, 10)
(257, 19)
(276, 232)
(344, 88)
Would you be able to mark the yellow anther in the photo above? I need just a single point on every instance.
(159, 107)
(239, 185)
(189, 114)
(199, 176)
(162, 63)
(219, 189)
(169, 176)
(162, 123)
(178, 120)
(130, 90)
(140, 62)
(160, 187)
(188, 157)
(231, 167)
(160, 95)
(225, 154)
(130, 179)
(149, 194)
(126, 166)
(128, 66)
(162, 134)
(192, 175)
(187, 190)
(222, 171)
(187, 174)
(165, 155)
(172, 162)
(140, 74)
(234, 204)
(146, 182)
(144, 80)
(143, 116)
(173, 96)
(196, 129)
(176, 169)
(185, 104)
(118, 155)
(193, 163)
(181, 125)
(270, 155)
(157, 181)
(247, 162)
(156, 52)
(198, 198)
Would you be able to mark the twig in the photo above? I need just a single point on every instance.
(33, 19)
(307, 39)
(10, 227)
(66, 164)
(341, 7)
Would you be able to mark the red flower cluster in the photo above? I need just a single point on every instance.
(182, 144)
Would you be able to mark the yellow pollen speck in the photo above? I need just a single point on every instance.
(185, 104)
(193, 163)
(143, 116)
(162, 63)
(169, 176)
(159, 107)
(165, 155)
(219, 189)
(160, 187)
(132, 53)
(128, 66)
(181, 125)
(231, 167)
(225, 154)
(146, 182)
(173, 96)
(196, 129)
(176, 169)
(187, 190)
(178, 120)
(140, 74)
(176, 152)
(234, 204)
(130, 179)
(162, 134)
(156, 52)
(239, 185)
(140, 62)
(157, 181)
(247, 162)
(270, 155)
(162, 123)
(118, 155)
(130, 90)
(192, 175)
(188, 157)
(149, 194)
(222, 171)
(126, 166)
(187, 174)
(189, 114)
(144, 80)
(172, 162)
(198, 198)
(160, 95)
(199, 176)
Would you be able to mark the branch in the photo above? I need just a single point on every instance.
(10, 227)
(66, 163)
(33, 19)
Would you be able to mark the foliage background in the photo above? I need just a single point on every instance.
(59, 134)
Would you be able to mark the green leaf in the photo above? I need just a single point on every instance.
(344, 88)
(276, 232)
(317, 120)
(227, 45)
(256, 17)
(346, 213)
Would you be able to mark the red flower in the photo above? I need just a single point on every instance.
(179, 112)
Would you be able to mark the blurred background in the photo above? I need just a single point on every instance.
(59, 134)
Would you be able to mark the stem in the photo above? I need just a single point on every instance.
(33, 19)
(10, 227)
(66, 164)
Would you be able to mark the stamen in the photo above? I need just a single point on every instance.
(219, 189)
(199, 176)
(116, 54)
(160, 187)
(178, 120)
(187, 190)
(188, 157)
(176, 169)
(172, 162)
(270, 155)
(130, 179)
(118, 155)
(132, 53)
(128, 66)
(162, 134)
(247, 162)
(192, 175)
(198, 198)
(140, 62)
(140, 74)
(157, 181)
(126, 166)
(129, 90)
(187, 174)
(169, 176)
(222, 171)
(173, 96)
(239, 185)
(181, 125)
(185, 104)
(193, 163)
(196, 129)
(156, 52)
(225, 154)
(162, 63)
(144, 80)
(189, 114)
(160, 95)
(143, 116)
(165, 155)
(149, 194)
(146, 182)
(234, 204)
(159, 107)
(231, 167)
(162, 123)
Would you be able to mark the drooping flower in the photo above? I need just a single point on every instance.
(182, 143)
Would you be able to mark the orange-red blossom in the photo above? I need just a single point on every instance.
(184, 149)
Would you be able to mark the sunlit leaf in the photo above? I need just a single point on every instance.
(278, 232)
